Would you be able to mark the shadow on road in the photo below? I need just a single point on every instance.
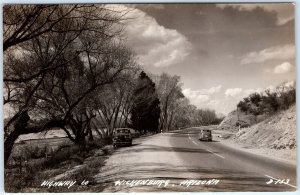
(209, 141)
(155, 148)
(125, 146)
(229, 180)
(139, 162)
(181, 134)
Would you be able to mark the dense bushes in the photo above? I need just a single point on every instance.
(269, 101)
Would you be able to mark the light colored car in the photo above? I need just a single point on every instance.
(205, 135)
(122, 137)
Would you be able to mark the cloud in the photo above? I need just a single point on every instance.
(290, 84)
(202, 98)
(271, 88)
(283, 68)
(195, 95)
(217, 105)
(212, 90)
(226, 105)
(273, 53)
(285, 11)
(233, 92)
(203, 92)
(154, 44)
(250, 91)
(247, 92)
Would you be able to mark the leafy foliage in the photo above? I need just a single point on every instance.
(145, 109)
(269, 102)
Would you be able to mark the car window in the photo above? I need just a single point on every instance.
(122, 131)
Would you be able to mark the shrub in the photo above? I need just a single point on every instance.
(255, 98)
(269, 102)
(34, 152)
(243, 106)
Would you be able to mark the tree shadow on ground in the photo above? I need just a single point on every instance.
(230, 180)
(155, 148)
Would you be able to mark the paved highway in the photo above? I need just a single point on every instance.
(178, 161)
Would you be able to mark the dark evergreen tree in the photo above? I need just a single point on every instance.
(145, 109)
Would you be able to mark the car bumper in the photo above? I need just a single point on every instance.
(122, 142)
(206, 138)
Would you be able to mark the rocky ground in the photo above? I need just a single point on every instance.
(274, 136)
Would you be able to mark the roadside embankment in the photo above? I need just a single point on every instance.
(274, 137)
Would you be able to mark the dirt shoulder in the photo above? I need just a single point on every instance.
(274, 137)
(283, 155)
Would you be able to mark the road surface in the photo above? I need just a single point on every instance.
(178, 161)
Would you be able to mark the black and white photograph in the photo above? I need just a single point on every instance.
(149, 97)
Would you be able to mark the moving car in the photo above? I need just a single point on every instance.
(122, 137)
(205, 135)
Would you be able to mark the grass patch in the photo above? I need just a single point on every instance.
(86, 174)
(65, 158)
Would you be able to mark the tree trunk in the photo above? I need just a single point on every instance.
(21, 123)
(20, 128)
(89, 129)
(9, 144)
(171, 120)
(80, 141)
(165, 123)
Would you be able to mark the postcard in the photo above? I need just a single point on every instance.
(190, 97)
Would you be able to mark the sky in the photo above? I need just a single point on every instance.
(222, 52)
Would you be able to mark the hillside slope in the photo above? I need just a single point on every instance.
(230, 121)
(275, 132)
(274, 137)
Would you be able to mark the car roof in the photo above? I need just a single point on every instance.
(124, 128)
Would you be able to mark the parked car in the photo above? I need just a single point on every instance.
(205, 135)
(122, 137)
(134, 133)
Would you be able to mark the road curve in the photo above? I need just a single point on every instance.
(178, 161)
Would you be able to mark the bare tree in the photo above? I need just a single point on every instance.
(26, 22)
(55, 57)
(114, 103)
(184, 114)
(169, 91)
